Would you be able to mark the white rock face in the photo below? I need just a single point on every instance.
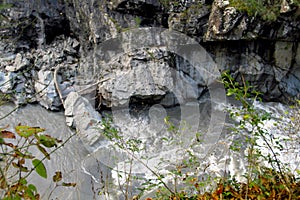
(19, 64)
(80, 114)
(143, 80)
(5, 81)
(147, 74)
(45, 87)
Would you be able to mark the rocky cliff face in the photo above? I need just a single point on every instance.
(45, 44)
(63, 54)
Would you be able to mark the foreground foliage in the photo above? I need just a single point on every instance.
(268, 185)
(18, 160)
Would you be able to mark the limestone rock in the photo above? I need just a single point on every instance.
(45, 87)
(290, 85)
(149, 74)
(192, 20)
(221, 3)
(6, 82)
(283, 58)
(19, 64)
(297, 56)
(67, 33)
(82, 115)
(225, 23)
(286, 6)
(151, 79)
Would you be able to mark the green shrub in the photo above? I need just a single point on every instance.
(261, 179)
(268, 10)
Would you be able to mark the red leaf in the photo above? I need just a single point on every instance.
(10, 145)
(7, 134)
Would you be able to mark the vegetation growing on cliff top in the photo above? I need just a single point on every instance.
(268, 10)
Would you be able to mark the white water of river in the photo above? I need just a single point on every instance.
(89, 171)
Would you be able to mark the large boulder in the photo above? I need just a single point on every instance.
(81, 115)
(149, 75)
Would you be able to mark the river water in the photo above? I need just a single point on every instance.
(97, 174)
(67, 159)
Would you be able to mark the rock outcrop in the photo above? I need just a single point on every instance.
(81, 115)
(37, 36)
(51, 49)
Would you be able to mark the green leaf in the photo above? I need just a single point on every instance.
(32, 188)
(47, 141)
(23, 181)
(231, 92)
(40, 168)
(27, 131)
(29, 194)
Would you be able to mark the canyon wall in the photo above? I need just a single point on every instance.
(47, 44)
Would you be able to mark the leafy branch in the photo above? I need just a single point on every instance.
(14, 169)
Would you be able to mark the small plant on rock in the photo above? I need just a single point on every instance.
(268, 10)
